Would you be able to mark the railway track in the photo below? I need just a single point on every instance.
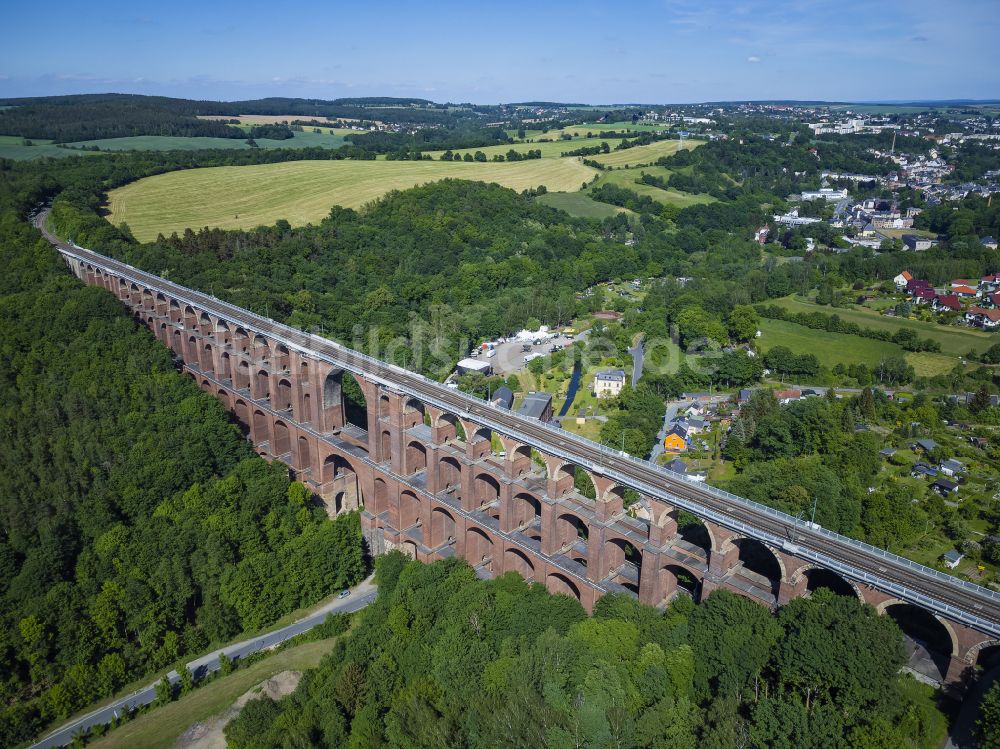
(945, 595)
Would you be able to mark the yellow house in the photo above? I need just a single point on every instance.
(675, 441)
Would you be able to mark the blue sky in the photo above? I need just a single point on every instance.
(490, 52)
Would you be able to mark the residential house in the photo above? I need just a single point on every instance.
(677, 466)
(944, 487)
(981, 442)
(922, 470)
(609, 383)
(676, 440)
(988, 242)
(923, 295)
(952, 558)
(951, 467)
(503, 396)
(987, 319)
(989, 283)
(926, 445)
(887, 452)
(787, 396)
(947, 303)
(964, 291)
(916, 243)
(536, 406)
(902, 279)
(745, 395)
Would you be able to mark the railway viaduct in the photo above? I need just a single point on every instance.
(437, 473)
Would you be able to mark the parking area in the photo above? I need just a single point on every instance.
(509, 356)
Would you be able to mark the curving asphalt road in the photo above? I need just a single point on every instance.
(943, 594)
(360, 597)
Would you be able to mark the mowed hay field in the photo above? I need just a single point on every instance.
(643, 154)
(240, 197)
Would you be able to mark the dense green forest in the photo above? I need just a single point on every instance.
(442, 660)
(137, 525)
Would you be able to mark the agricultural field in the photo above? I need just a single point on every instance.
(954, 341)
(240, 197)
(181, 143)
(643, 154)
(580, 204)
(550, 150)
(830, 348)
(12, 147)
(626, 178)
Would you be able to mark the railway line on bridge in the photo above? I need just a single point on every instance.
(947, 596)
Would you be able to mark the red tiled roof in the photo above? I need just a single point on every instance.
(993, 315)
(906, 275)
(964, 290)
(949, 300)
(924, 292)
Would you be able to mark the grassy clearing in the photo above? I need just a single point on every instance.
(159, 728)
(238, 197)
(180, 143)
(626, 178)
(12, 147)
(954, 341)
(643, 154)
(579, 204)
(927, 364)
(899, 233)
(830, 348)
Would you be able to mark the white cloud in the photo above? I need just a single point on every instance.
(753, 58)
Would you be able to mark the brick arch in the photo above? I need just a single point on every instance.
(558, 584)
(241, 339)
(972, 654)
(443, 528)
(478, 547)
(283, 398)
(205, 319)
(515, 560)
(242, 411)
(486, 489)
(261, 427)
(262, 385)
(380, 497)
(567, 527)
(225, 366)
(336, 464)
(450, 471)
(670, 578)
(207, 361)
(303, 454)
(223, 396)
(260, 347)
(518, 456)
(562, 476)
(241, 376)
(809, 570)
(409, 510)
(526, 508)
(282, 358)
(914, 630)
(760, 559)
(619, 556)
(282, 438)
(221, 326)
(416, 457)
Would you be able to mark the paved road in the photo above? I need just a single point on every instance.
(360, 597)
(671, 413)
(638, 354)
(943, 594)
